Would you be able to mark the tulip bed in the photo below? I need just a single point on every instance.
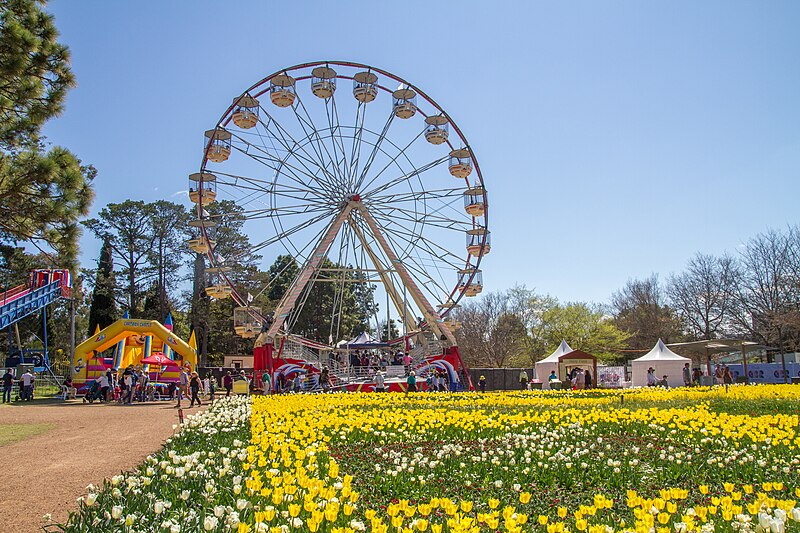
(597, 461)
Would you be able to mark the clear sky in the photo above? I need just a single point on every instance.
(616, 138)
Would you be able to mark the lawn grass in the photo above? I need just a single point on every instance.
(10, 433)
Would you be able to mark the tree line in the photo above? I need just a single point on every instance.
(753, 295)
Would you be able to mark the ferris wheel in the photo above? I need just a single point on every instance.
(359, 176)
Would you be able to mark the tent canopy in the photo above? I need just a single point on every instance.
(159, 359)
(554, 357)
(660, 352)
(365, 341)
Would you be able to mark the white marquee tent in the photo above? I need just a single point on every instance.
(550, 363)
(666, 363)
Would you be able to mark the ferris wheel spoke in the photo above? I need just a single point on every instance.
(287, 232)
(270, 187)
(269, 160)
(412, 238)
(358, 137)
(292, 149)
(374, 152)
(415, 195)
(243, 185)
(405, 177)
(312, 132)
(431, 218)
(393, 161)
(332, 114)
(407, 260)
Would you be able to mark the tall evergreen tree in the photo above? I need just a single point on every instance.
(42, 194)
(125, 227)
(103, 309)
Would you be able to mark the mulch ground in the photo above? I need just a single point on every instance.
(46, 473)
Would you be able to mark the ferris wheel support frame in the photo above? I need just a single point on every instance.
(286, 303)
(427, 310)
(289, 299)
(394, 295)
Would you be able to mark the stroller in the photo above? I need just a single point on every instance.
(93, 393)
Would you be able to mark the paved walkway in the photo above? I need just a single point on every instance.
(48, 472)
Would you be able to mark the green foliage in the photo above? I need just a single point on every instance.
(587, 329)
(146, 240)
(103, 309)
(42, 194)
(326, 311)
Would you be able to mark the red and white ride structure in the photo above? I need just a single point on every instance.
(365, 181)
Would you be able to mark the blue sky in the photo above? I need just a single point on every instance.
(616, 139)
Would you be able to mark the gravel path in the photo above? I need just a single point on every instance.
(48, 472)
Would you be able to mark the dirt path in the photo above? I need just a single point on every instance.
(48, 472)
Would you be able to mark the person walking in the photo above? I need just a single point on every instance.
(482, 383)
(8, 384)
(183, 385)
(227, 382)
(687, 375)
(407, 363)
(523, 379)
(194, 386)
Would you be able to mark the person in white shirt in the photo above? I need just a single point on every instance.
(102, 382)
(27, 386)
(380, 385)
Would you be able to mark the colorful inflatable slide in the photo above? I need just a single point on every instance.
(132, 341)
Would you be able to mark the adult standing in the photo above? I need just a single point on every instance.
(411, 381)
(194, 386)
(102, 382)
(325, 379)
(183, 385)
(407, 363)
(266, 382)
(227, 382)
(651, 377)
(687, 375)
(523, 379)
(380, 383)
(129, 385)
(8, 384)
(27, 386)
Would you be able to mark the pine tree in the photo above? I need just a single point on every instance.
(103, 309)
(42, 194)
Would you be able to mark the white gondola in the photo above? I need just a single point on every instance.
(437, 129)
(404, 103)
(474, 201)
(203, 188)
(281, 90)
(449, 304)
(452, 325)
(460, 163)
(246, 113)
(323, 82)
(470, 281)
(478, 241)
(219, 291)
(200, 244)
(247, 321)
(364, 88)
(218, 144)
